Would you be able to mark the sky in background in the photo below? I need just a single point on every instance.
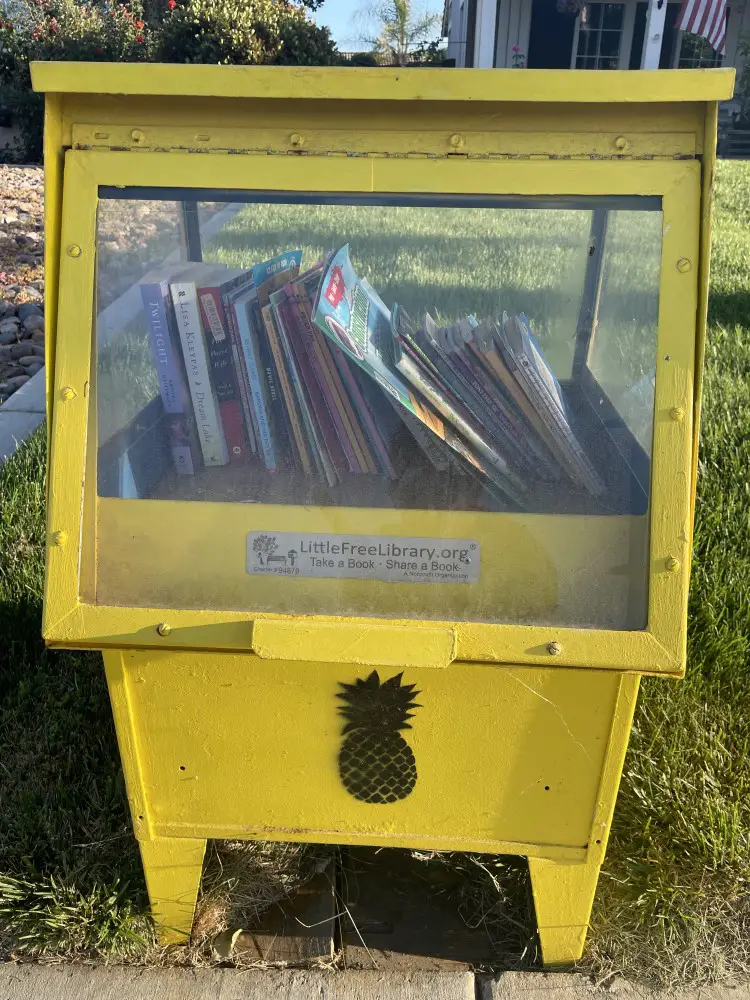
(337, 15)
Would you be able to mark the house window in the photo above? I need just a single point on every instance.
(599, 36)
(696, 53)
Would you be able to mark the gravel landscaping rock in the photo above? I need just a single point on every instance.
(33, 322)
(21, 276)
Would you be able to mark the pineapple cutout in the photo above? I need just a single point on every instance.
(376, 763)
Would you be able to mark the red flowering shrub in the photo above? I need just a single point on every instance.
(61, 29)
(192, 31)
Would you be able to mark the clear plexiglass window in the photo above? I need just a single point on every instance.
(467, 382)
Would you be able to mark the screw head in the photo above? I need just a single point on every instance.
(137, 136)
(59, 537)
(621, 143)
(672, 564)
(296, 139)
(68, 393)
(677, 413)
(554, 648)
(457, 141)
(163, 628)
(74, 250)
(683, 265)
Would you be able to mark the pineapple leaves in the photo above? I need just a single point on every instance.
(377, 706)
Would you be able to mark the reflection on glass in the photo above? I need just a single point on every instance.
(491, 357)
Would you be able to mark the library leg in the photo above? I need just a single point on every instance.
(563, 897)
(173, 866)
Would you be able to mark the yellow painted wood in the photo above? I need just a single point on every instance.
(708, 172)
(517, 751)
(126, 726)
(69, 396)
(344, 642)
(173, 866)
(237, 746)
(627, 697)
(595, 649)
(499, 142)
(365, 84)
(53, 190)
(156, 117)
(563, 897)
(121, 565)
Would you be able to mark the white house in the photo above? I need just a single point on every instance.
(582, 34)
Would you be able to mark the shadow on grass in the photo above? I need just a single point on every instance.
(70, 874)
(729, 308)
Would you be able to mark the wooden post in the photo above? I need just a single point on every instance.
(191, 231)
(592, 289)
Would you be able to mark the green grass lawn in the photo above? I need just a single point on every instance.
(673, 902)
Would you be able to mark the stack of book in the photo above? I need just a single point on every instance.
(309, 372)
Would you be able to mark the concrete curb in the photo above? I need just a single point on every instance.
(572, 986)
(71, 982)
(21, 414)
(80, 982)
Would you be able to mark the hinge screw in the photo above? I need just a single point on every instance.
(137, 136)
(59, 537)
(68, 393)
(677, 413)
(74, 250)
(683, 265)
(296, 139)
(457, 141)
(672, 564)
(554, 648)
(163, 628)
(621, 143)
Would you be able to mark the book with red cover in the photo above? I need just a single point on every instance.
(222, 360)
(283, 310)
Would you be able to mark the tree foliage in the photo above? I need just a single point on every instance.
(398, 29)
(185, 31)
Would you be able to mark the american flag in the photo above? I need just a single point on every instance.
(707, 18)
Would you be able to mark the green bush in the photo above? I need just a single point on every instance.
(182, 31)
(241, 31)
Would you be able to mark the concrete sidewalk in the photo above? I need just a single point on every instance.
(70, 982)
(80, 982)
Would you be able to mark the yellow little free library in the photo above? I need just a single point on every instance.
(373, 399)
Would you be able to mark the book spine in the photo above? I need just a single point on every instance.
(305, 289)
(428, 389)
(318, 362)
(222, 369)
(504, 369)
(297, 338)
(256, 388)
(497, 419)
(172, 388)
(275, 405)
(243, 383)
(286, 388)
(428, 440)
(313, 438)
(368, 423)
(577, 462)
(187, 316)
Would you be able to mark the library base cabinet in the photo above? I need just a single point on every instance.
(374, 399)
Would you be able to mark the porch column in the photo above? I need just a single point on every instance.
(655, 17)
(455, 48)
(484, 54)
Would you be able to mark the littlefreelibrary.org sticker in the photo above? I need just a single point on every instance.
(392, 558)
